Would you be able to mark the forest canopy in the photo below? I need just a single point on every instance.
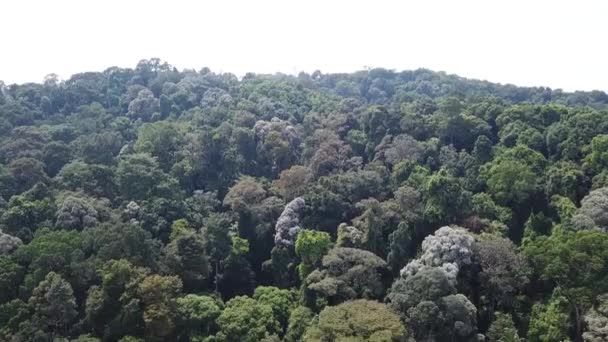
(152, 204)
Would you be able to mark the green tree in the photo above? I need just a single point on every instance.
(358, 320)
(549, 322)
(246, 319)
(576, 263)
(55, 251)
(139, 177)
(502, 329)
(11, 276)
(597, 159)
(186, 256)
(281, 301)
(348, 273)
(161, 140)
(300, 319)
(158, 294)
(53, 305)
(446, 199)
(197, 314)
(511, 182)
(311, 246)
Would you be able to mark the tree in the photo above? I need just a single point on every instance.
(426, 301)
(278, 143)
(7, 183)
(57, 251)
(372, 224)
(145, 106)
(597, 320)
(446, 199)
(450, 248)
(158, 295)
(197, 314)
(503, 271)
(348, 273)
(245, 319)
(25, 213)
(8, 243)
(11, 276)
(510, 181)
(299, 320)
(161, 140)
(566, 179)
(502, 329)
(53, 305)
(77, 211)
(93, 179)
(594, 206)
(311, 246)
(99, 148)
(186, 256)
(357, 320)
(349, 236)
(113, 309)
(55, 155)
(287, 226)
(117, 240)
(292, 182)
(27, 172)
(281, 301)
(597, 160)
(139, 177)
(549, 322)
(576, 263)
(237, 277)
(428, 284)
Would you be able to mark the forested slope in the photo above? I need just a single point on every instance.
(163, 205)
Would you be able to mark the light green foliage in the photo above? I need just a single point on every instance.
(576, 262)
(510, 181)
(159, 139)
(246, 319)
(446, 199)
(359, 320)
(311, 246)
(58, 251)
(564, 178)
(502, 329)
(299, 320)
(485, 207)
(281, 301)
(597, 160)
(564, 207)
(549, 322)
(197, 314)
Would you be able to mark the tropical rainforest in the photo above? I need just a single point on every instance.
(153, 204)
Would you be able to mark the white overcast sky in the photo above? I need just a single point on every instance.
(561, 44)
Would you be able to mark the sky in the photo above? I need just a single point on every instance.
(560, 44)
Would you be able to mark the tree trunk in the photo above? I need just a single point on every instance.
(578, 337)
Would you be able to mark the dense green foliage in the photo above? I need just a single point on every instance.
(152, 204)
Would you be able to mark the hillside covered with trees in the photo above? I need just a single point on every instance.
(152, 204)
